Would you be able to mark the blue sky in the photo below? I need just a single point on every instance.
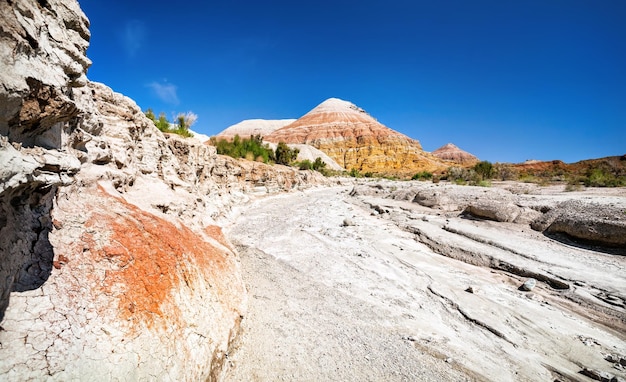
(504, 80)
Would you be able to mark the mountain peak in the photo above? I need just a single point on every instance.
(452, 152)
(336, 105)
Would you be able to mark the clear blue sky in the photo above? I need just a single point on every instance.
(504, 80)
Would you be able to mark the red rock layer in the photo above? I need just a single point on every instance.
(142, 261)
(452, 153)
(355, 140)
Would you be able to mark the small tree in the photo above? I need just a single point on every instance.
(150, 114)
(162, 123)
(318, 164)
(285, 155)
(484, 169)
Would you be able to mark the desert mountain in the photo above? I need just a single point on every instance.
(453, 153)
(249, 127)
(355, 140)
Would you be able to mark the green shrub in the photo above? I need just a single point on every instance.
(318, 164)
(424, 175)
(484, 170)
(285, 155)
(305, 165)
(599, 177)
(250, 148)
(184, 122)
(505, 171)
(355, 173)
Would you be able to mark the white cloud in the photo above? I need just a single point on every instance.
(133, 36)
(165, 92)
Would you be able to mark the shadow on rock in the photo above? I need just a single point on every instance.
(26, 254)
(584, 244)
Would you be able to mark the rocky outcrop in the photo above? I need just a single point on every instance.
(43, 55)
(451, 152)
(494, 210)
(255, 127)
(109, 247)
(355, 140)
(587, 222)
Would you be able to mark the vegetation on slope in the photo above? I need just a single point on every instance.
(254, 149)
(183, 122)
(603, 172)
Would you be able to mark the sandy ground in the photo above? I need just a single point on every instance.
(386, 297)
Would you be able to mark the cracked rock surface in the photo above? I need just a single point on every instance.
(410, 292)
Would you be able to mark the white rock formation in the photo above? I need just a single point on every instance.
(249, 127)
(111, 265)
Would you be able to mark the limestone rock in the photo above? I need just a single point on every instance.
(494, 210)
(356, 140)
(434, 199)
(528, 285)
(593, 223)
(43, 55)
(451, 152)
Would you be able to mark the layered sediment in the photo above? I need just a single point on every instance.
(355, 140)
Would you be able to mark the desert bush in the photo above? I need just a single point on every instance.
(285, 155)
(305, 165)
(505, 171)
(250, 148)
(318, 164)
(599, 177)
(424, 175)
(484, 169)
(184, 122)
(354, 173)
(459, 175)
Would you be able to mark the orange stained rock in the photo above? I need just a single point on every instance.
(148, 257)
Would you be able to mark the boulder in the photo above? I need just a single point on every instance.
(528, 285)
(494, 210)
(435, 199)
(593, 223)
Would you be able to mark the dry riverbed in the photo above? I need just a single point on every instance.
(362, 285)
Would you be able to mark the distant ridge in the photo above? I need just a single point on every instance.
(453, 153)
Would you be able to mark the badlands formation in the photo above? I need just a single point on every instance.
(355, 140)
(114, 265)
(249, 127)
(451, 152)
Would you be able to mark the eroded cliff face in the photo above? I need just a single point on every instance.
(112, 266)
(355, 140)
